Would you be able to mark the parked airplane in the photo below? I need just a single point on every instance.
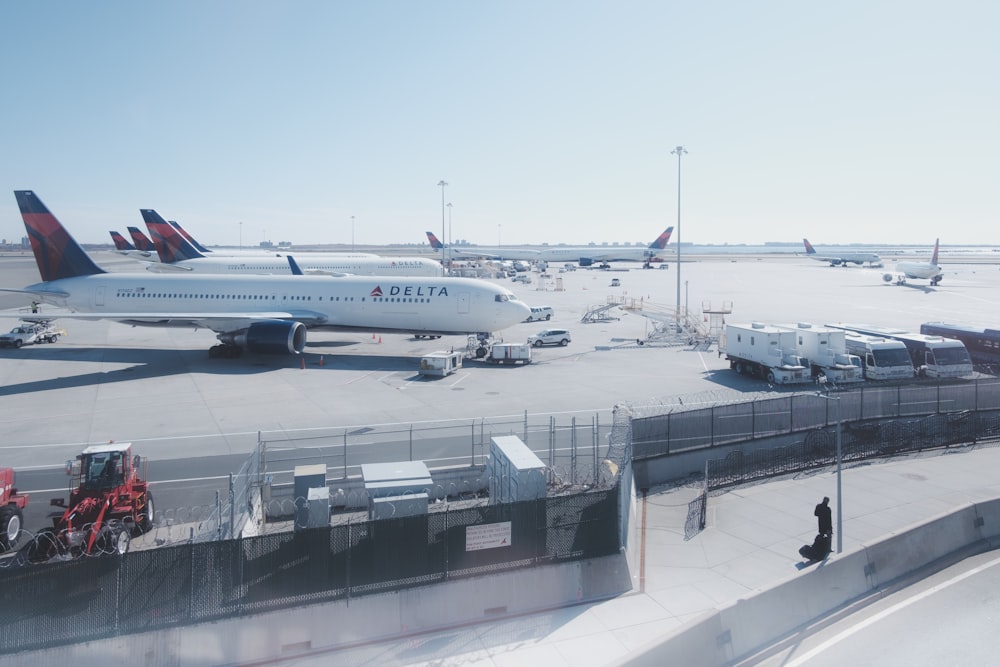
(177, 254)
(840, 258)
(123, 247)
(142, 242)
(585, 255)
(259, 313)
(917, 270)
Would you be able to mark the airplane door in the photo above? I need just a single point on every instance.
(99, 296)
(463, 303)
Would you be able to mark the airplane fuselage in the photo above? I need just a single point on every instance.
(224, 303)
(357, 265)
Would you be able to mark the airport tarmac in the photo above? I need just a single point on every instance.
(158, 388)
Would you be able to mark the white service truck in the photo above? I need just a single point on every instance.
(30, 333)
(881, 358)
(825, 350)
(765, 351)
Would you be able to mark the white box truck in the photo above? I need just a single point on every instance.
(826, 351)
(881, 358)
(765, 351)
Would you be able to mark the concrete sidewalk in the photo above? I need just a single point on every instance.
(750, 543)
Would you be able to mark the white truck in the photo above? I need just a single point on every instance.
(825, 350)
(30, 333)
(765, 351)
(932, 356)
(509, 353)
(881, 358)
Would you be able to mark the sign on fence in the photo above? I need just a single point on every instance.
(487, 536)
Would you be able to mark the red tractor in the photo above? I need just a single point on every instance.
(12, 506)
(109, 501)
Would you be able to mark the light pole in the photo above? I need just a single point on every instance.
(444, 259)
(352, 233)
(241, 235)
(450, 240)
(840, 507)
(679, 151)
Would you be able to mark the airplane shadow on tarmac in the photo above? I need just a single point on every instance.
(145, 363)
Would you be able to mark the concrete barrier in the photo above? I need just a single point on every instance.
(738, 630)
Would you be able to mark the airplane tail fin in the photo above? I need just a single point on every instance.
(140, 240)
(934, 255)
(170, 245)
(809, 249)
(662, 240)
(190, 239)
(434, 241)
(57, 253)
(120, 242)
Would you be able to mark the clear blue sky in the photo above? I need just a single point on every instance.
(552, 121)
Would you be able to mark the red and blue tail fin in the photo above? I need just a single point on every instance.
(662, 240)
(140, 240)
(809, 249)
(934, 256)
(170, 245)
(120, 242)
(190, 239)
(435, 242)
(57, 253)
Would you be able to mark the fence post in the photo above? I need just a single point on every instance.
(232, 508)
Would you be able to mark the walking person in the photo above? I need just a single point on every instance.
(824, 517)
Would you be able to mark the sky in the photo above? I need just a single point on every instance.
(551, 122)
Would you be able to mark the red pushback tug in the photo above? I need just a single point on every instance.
(109, 501)
(12, 505)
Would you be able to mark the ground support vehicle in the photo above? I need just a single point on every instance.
(932, 356)
(109, 500)
(826, 351)
(441, 363)
(509, 353)
(31, 333)
(550, 337)
(765, 351)
(881, 358)
(982, 344)
(12, 506)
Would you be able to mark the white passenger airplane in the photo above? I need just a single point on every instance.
(585, 255)
(917, 270)
(261, 313)
(177, 254)
(842, 258)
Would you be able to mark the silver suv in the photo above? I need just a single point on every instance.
(550, 337)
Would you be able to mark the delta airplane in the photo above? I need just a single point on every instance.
(259, 313)
(177, 254)
(142, 242)
(585, 255)
(918, 270)
(123, 247)
(843, 258)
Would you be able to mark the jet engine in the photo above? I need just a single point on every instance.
(269, 337)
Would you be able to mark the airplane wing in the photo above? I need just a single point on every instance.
(218, 322)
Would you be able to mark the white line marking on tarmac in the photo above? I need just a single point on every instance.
(801, 660)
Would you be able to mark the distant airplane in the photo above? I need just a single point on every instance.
(177, 254)
(585, 255)
(251, 252)
(843, 258)
(917, 270)
(260, 313)
(123, 247)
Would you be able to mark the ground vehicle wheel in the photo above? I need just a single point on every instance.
(480, 352)
(548, 317)
(18, 343)
(10, 526)
(120, 541)
(564, 342)
(770, 377)
(146, 521)
(538, 343)
(113, 540)
(739, 368)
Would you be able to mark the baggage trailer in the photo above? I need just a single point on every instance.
(440, 364)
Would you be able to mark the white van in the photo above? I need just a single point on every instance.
(540, 313)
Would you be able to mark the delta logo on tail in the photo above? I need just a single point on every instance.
(120, 242)
(434, 241)
(57, 254)
(662, 240)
